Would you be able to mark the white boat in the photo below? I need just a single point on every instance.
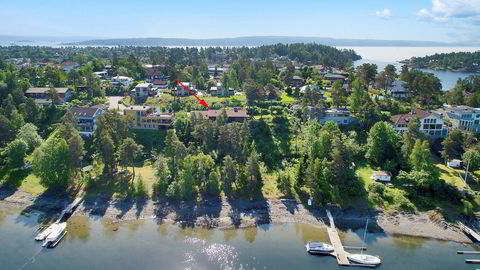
(58, 231)
(364, 259)
(318, 248)
(42, 235)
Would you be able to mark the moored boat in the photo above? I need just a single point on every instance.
(364, 259)
(318, 248)
(42, 235)
(58, 232)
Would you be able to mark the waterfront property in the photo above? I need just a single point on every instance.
(311, 87)
(43, 95)
(233, 115)
(462, 117)
(144, 117)
(86, 119)
(431, 123)
(398, 89)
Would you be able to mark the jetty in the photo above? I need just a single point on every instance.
(339, 250)
(67, 211)
(470, 232)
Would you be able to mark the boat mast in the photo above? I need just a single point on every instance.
(364, 235)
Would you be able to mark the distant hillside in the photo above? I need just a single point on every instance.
(258, 41)
(456, 61)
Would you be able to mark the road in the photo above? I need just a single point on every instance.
(113, 103)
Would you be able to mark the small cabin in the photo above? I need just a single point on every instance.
(382, 176)
(454, 163)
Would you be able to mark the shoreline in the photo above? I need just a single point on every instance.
(227, 214)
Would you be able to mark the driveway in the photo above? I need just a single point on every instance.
(113, 103)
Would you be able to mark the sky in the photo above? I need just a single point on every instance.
(435, 20)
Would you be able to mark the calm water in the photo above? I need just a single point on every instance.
(95, 244)
(382, 56)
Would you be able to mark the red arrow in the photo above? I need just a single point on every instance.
(205, 104)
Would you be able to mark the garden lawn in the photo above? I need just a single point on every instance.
(451, 175)
(148, 175)
(31, 184)
(288, 99)
(365, 173)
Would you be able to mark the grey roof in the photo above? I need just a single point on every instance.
(84, 111)
(41, 90)
(460, 109)
(335, 76)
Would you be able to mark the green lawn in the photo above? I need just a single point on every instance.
(365, 173)
(288, 99)
(451, 175)
(148, 175)
(31, 184)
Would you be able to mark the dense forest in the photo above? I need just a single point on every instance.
(461, 61)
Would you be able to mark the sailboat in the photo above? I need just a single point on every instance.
(364, 258)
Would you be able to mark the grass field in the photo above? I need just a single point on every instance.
(288, 99)
(365, 173)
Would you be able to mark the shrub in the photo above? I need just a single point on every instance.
(140, 189)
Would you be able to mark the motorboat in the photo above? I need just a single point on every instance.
(364, 259)
(42, 235)
(318, 248)
(58, 232)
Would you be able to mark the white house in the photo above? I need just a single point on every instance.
(454, 163)
(311, 87)
(431, 123)
(398, 89)
(122, 80)
(86, 119)
(382, 176)
(142, 90)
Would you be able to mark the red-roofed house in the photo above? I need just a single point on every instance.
(431, 123)
(234, 115)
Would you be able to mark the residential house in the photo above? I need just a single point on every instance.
(233, 115)
(431, 123)
(216, 71)
(332, 78)
(86, 119)
(121, 81)
(219, 90)
(312, 87)
(296, 81)
(398, 89)
(341, 116)
(382, 176)
(462, 117)
(69, 65)
(145, 117)
(183, 89)
(41, 95)
(142, 90)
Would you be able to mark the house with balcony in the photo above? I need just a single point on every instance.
(142, 91)
(431, 123)
(462, 117)
(146, 117)
(121, 81)
(332, 78)
(398, 89)
(86, 119)
(42, 95)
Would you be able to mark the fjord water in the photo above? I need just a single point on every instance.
(93, 243)
(382, 56)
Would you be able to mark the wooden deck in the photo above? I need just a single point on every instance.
(340, 252)
(473, 234)
(70, 208)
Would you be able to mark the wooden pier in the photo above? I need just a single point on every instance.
(339, 252)
(471, 233)
(70, 208)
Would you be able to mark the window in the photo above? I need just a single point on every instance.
(425, 120)
(439, 126)
(434, 121)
